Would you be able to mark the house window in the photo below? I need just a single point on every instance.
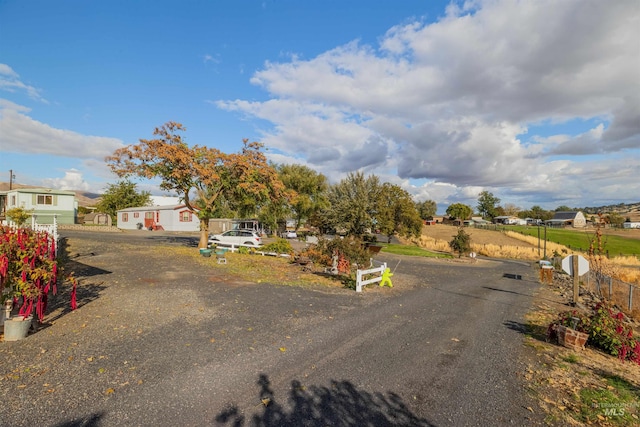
(45, 199)
(125, 217)
(185, 216)
(13, 200)
(136, 214)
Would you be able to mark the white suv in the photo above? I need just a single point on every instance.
(236, 237)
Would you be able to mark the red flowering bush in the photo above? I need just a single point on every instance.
(610, 333)
(606, 328)
(29, 270)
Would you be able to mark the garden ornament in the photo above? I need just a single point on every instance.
(386, 278)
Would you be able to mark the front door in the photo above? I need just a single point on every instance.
(148, 220)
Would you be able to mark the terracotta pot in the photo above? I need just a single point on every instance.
(571, 338)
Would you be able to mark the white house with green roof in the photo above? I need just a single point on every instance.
(44, 203)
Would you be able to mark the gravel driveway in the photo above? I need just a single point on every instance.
(162, 340)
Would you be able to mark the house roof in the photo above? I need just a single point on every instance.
(40, 191)
(153, 208)
(565, 215)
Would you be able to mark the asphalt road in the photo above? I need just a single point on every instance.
(161, 340)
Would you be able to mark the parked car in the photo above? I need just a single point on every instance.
(290, 235)
(236, 237)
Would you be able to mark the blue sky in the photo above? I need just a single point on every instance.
(535, 101)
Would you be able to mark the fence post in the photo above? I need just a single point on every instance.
(588, 280)
(610, 286)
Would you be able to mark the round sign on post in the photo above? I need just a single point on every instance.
(567, 265)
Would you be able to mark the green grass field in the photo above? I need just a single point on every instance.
(580, 240)
(411, 251)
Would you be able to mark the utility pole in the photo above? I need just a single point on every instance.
(11, 176)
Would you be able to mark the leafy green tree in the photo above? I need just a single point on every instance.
(274, 213)
(427, 209)
(311, 189)
(459, 211)
(563, 208)
(536, 212)
(499, 211)
(487, 204)
(461, 242)
(122, 195)
(353, 204)
(202, 176)
(615, 219)
(396, 213)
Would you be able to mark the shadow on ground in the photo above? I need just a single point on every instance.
(86, 291)
(340, 404)
(90, 421)
(190, 242)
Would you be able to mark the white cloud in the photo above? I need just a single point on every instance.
(450, 102)
(72, 180)
(20, 133)
(10, 82)
(211, 58)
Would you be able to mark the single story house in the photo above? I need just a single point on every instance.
(165, 200)
(631, 225)
(509, 220)
(220, 225)
(565, 219)
(478, 220)
(45, 203)
(169, 218)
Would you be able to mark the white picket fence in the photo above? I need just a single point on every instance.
(51, 229)
(360, 281)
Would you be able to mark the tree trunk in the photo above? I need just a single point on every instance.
(204, 234)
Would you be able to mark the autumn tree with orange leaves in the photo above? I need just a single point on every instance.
(202, 176)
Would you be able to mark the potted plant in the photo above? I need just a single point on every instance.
(205, 252)
(570, 329)
(28, 272)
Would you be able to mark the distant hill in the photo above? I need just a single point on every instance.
(631, 210)
(85, 199)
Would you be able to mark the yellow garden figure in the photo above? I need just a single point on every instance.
(386, 278)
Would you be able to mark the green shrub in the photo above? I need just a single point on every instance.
(461, 242)
(352, 250)
(280, 246)
(19, 215)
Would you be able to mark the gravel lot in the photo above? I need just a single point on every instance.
(163, 340)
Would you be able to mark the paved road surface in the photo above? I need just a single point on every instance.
(162, 340)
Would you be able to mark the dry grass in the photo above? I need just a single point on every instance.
(623, 268)
(433, 244)
(262, 269)
(504, 251)
(494, 250)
